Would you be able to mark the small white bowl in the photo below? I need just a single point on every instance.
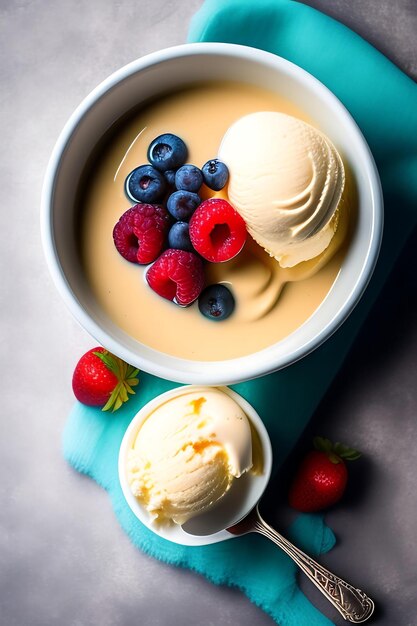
(172, 69)
(245, 492)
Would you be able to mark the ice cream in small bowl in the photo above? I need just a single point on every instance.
(194, 461)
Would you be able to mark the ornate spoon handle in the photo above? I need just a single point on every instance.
(353, 604)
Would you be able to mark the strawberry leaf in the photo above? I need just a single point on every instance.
(322, 444)
(119, 369)
(123, 393)
(346, 453)
(110, 361)
(123, 369)
(112, 399)
(352, 456)
(128, 387)
(126, 375)
(117, 404)
(336, 451)
(334, 458)
(131, 372)
(338, 448)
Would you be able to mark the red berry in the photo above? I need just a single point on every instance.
(92, 381)
(102, 379)
(140, 233)
(177, 275)
(318, 484)
(217, 231)
(322, 476)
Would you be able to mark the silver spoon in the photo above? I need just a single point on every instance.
(352, 603)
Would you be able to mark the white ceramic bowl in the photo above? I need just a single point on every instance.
(171, 69)
(236, 504)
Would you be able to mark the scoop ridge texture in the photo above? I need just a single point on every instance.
(188, 452)
(286, 181)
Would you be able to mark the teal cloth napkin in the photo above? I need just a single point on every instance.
(383, 101)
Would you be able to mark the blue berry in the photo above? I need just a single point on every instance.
(167, 152)
(170, 177)
(145, 184)
(216, 302)
(182, 204)
(188, 178)
(215, 174)
(179, 237)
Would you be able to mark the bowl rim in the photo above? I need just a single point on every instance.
(238, 369)
(175, 533)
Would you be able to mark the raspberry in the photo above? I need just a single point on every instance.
(217, 231)
(140, 233)
(177, 275)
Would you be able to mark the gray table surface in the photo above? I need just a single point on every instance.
(63, 557)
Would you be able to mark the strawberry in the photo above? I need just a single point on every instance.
(102, 379)
(322, 476)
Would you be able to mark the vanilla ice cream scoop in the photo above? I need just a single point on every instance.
(187, 453)
(286, 181)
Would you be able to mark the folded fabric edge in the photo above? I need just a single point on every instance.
(202, 23)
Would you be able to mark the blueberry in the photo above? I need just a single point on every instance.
(216, 302)
(215, 174)
(179, 237)
(170, 177)
(189, 178)
(145, 184)
(167, 152)
(182, 204)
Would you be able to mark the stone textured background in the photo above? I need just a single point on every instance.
(64, 559)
